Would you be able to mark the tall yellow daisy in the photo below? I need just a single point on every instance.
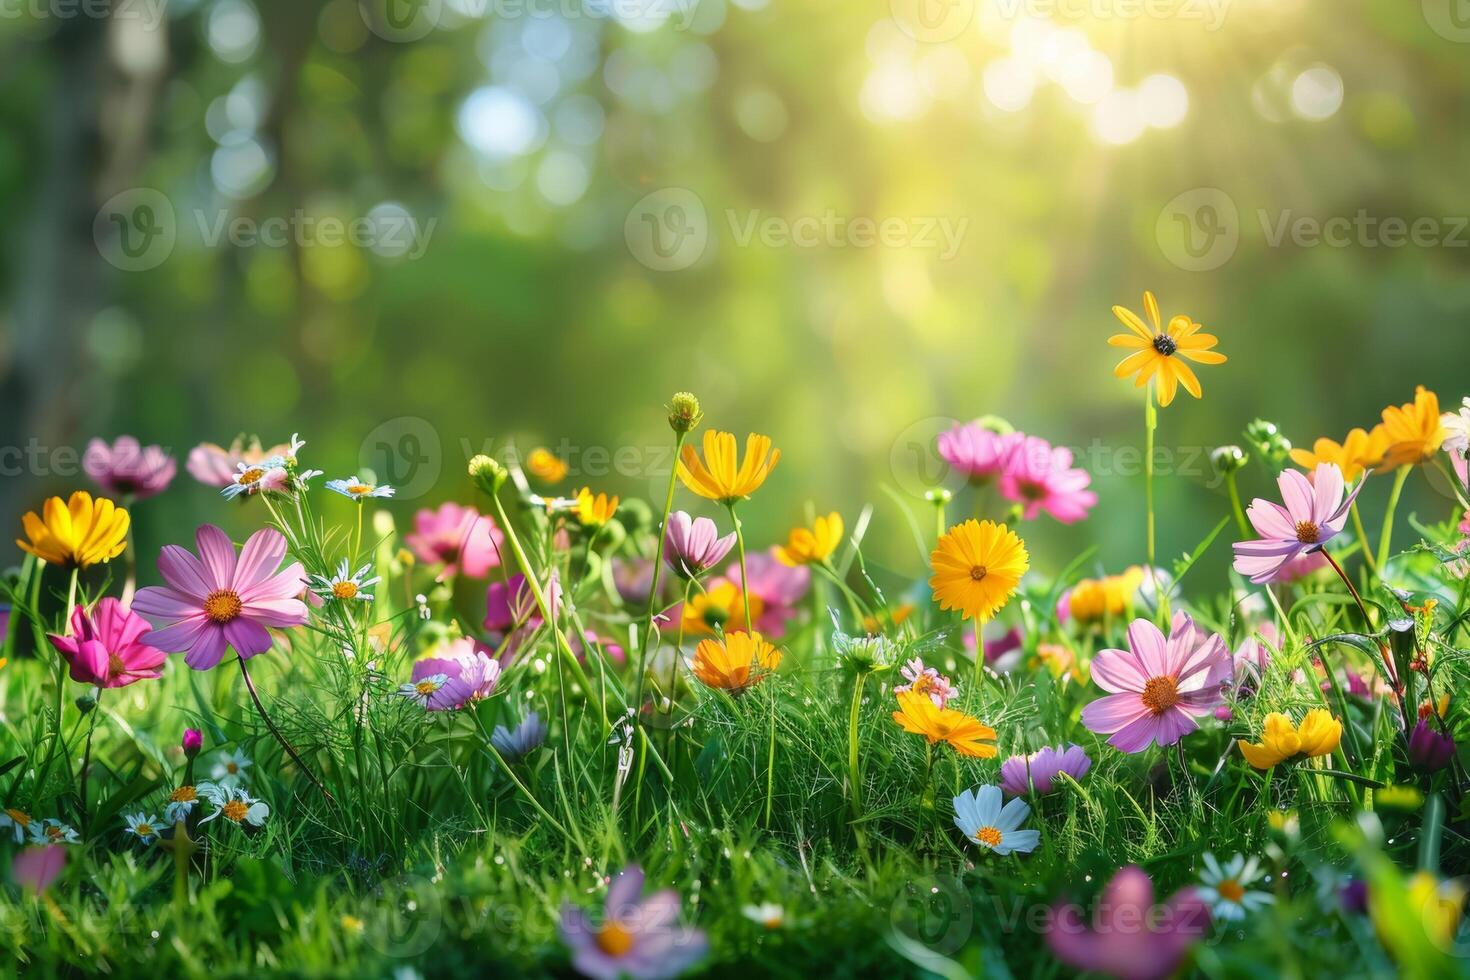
(738, 661)
(1413, 431)
(76, 533)
(977, 567)
(917, 713)
(815, 544)
(1358, 451)
(722, 475)
(1158, 352)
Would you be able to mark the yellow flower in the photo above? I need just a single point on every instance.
(1112, 595)
(1318, 734)
(719, 606)
(1436, 904)
(740, 661)
(966, 735)
(815, 544)
(977, 567)
(873, 625)
(721, 475)
(352, 924)
(1155, 350)
(545, 466)
(1358, 452)
(1060, 660)
(595, 511)
(79, 532)
(1413, 431)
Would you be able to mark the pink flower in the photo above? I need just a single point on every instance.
(511, 614)
(1315, 512)
(461, 674)
(127, 469)
(35, 868)
(1157, 687)
(1020, 773)
(979, 453)
(1041, 477)
(694, 545)
(1252, 655)
(926, 680)
(219, 599)
(215, 466)
(461, 538)
(1132, 938)
(637, 937)
(779, 587)
(104, 647)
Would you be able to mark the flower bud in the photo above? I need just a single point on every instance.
(487, 473)
(86, 703)
(193, 742)
(684, 412)
(1430, 750)
(1229, 459)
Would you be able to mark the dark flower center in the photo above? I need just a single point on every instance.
(979, 572)
(1307, 532)
(1165, 344)
(1160, 694)
(222, 606)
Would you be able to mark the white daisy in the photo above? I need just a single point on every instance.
(767, 914)
(982, 818)
(231, 767)
(181, 803)
(1226, 889)
(423, 692)
(268, 474)
(143, 826)
(53, 831)
(17, 821)
(234, 804)
(344, 586)
(358, 489)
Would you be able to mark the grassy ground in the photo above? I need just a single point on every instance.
(430, 852)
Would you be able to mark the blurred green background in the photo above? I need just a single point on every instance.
(507, 164)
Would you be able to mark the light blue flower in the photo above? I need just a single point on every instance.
(357, 489)
(982, 818)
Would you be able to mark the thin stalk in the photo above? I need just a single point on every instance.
(530, 797)
(87, 761)
(979, 659)
(291, 751)
(71, 598)
(854, 773)
(1363, 539)
(744, 575)
(1385, 539)
(1150, 423)
(658, 561)
(1235, 507)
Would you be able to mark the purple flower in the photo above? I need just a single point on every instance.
(193, 742)
(1315, 512)
(1430, 750)
(1043, 767)
(127, 469)
(105, 647)
(778, 586)
(34, 868)
(693, 545)
(523, 740)
(1040, 476)
(979, 453)
(219, 599)
(459, 675)
(637, 937)
(1131, 938)
(1157, 687)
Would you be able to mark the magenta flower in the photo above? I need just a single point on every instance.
(1315, 512)
(1131, 938)
(1020, 773)
(1157, 687)
(192, 742)
(693, 545)
(638, 937)
(1040, 476)
(127, 469)
(465, 541)
(218, 599)
(35, 868)
(979, 453)
(461, 674)
(105, 649)
(779, 587)
(1430, 750)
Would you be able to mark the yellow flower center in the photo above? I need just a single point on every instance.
(231, 768)
(184, 794)
(1165, 345)
(54, 833)
(115, 665)
(358, 488)
(234, 810)
(426, 687)
(345, 590)
(1307, 532)
(1231, 890)
(978, 572)
(144, 830)
(989, 836)
(614, 940)
(250, 476)
(222, 606)
(923, 685)
(21, 818)
(1160, 694)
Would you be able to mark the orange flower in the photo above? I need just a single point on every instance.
(595, 511)
(966, 735)
(1359, 451)
(544, 465)
(815, 544)
(736, 663)
(1413, 432)
(719, 606)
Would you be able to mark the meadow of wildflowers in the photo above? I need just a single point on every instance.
(544, 731)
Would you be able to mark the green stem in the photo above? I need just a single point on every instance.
(1235, 507)
(1385, 540)
(649, 633)
(290, 750)
(1150, 423)
(979, 664)
(854, 773)
(87, 761)
(744, 575)
(1363, 539)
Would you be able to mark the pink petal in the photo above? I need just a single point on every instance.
(247, 637)
(1271, 520)
(1296, 493)
(184, 572)
(218, 556)
(1327, 488)
(260, 557)
(1148, 644)
(276, 612)
(1118, 672)
(287, 584)
(178, 637)
(208, 649)
(1113, 712)
(163, 605)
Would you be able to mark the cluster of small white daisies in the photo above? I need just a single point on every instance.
(47, 831)
(271, 473)
(233, 802)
